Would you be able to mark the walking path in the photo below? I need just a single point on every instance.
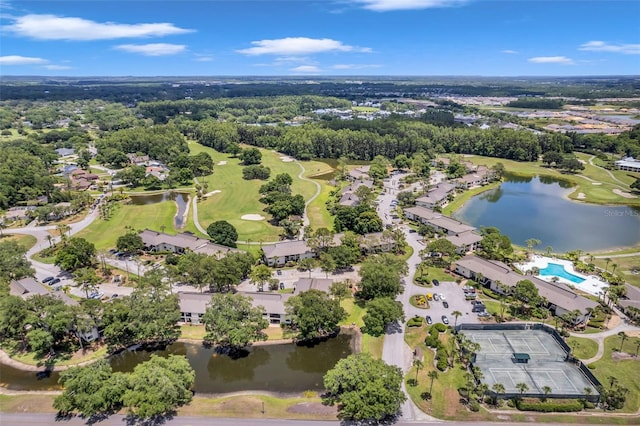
(305, 216)
(599, 338)
(608, 171)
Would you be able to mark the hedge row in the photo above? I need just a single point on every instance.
(550, 406)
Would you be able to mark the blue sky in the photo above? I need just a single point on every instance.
(323, 37)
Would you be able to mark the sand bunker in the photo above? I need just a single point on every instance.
(581, 196)
(252, 217)
(208, 194)
(596, 183)
(286, 159)
(624, 194)
(221, 163)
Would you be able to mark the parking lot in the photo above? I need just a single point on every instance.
(453, 296)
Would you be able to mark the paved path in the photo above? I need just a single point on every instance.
(599, 338)
(608, 171)
(305, 216)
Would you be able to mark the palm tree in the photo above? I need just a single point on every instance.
(607, 260)
(548, 250)
(613, 268)
(50, 239)
(433, 374)
(456, 314)
(637, 348)
(622, 335)
(498, 388)
(546, 390)
(531, 243)
(587, 391)
(522, 388)
(418, 364)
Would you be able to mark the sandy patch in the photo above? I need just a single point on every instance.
(252, 217)
(624, 194)
(221, 163)
(596, 183)
(208, 194)
(581, 196)
(286, 159)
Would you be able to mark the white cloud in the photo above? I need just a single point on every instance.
(153, 49)
(306, 69)
(509, 52)
(203, 58)
(551, 60)
(21, 60)
(601, 46)
(51, 27)
(388, 5)
(57, 67)
(354, 66)
(293, 46)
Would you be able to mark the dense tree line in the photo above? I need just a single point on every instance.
(536, 103)
(24, 173)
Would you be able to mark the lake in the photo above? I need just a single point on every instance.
(180, 198)
(538, 207)
(286, 368)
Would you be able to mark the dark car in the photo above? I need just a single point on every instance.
(435, 282)
(279, 272)
(445, 320)
(54, 281)
(445, 303)
(281, 286)
(46, 280)
(429, 320)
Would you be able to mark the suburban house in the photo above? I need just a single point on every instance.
(463, 236)
(279, 254)
(436, 196)
(18, 213)
(180, 243)
(64, 152)
(29, 287)
(489, 273)
(628, 164)
(349, 197)
(306, 284)
(194, 305)
(359, 173)
(481, 176)
(139, 160)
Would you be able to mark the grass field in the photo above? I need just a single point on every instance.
(625, 266)
(105, 233)
(583, 348)
(239, 197)
(597, 194)
(626, 371)
(26, 241)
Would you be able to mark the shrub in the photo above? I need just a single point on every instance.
(474, 406)
(550, 406)
(415, 322)
(442, 364)
(591, 366)
(440, 327)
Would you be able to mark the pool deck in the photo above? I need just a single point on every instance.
(591, 284)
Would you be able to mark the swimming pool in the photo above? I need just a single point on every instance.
(556, 270)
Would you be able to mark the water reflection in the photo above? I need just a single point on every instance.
(181, 199)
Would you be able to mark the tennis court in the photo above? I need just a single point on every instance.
(546, 364)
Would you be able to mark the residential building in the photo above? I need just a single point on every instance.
(465, 242)
(194, 305)
(180, 243)
(463, 236)
(306, 284)
(436, 196)
(489, 273)
(359, 173)
(481, 176)
(279, 254)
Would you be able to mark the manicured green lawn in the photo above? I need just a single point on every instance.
(239, 197)
(105, 233)
(354, 311)
(583, 348)
(624, 266)
(460, 199)
(626, 371)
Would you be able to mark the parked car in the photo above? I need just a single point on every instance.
(435, 297)
(442, 297)
(46, 280)
(445, 303)
(281, 286)
(484, 314)
(445, 320)
(435, 282)
(54, 281)
(429, 320)
(279, 272)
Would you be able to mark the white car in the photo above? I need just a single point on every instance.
(442, 297)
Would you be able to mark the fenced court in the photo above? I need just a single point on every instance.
(530, 356)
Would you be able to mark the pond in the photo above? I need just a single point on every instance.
(538, 207)
(286, 368)
(181, 199)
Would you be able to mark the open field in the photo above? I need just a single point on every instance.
(625, 266)
(26, 241)
(626, 371)
(583, 348)
(105, 233)
(597, 194)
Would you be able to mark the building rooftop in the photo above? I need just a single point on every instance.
(286, 248)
